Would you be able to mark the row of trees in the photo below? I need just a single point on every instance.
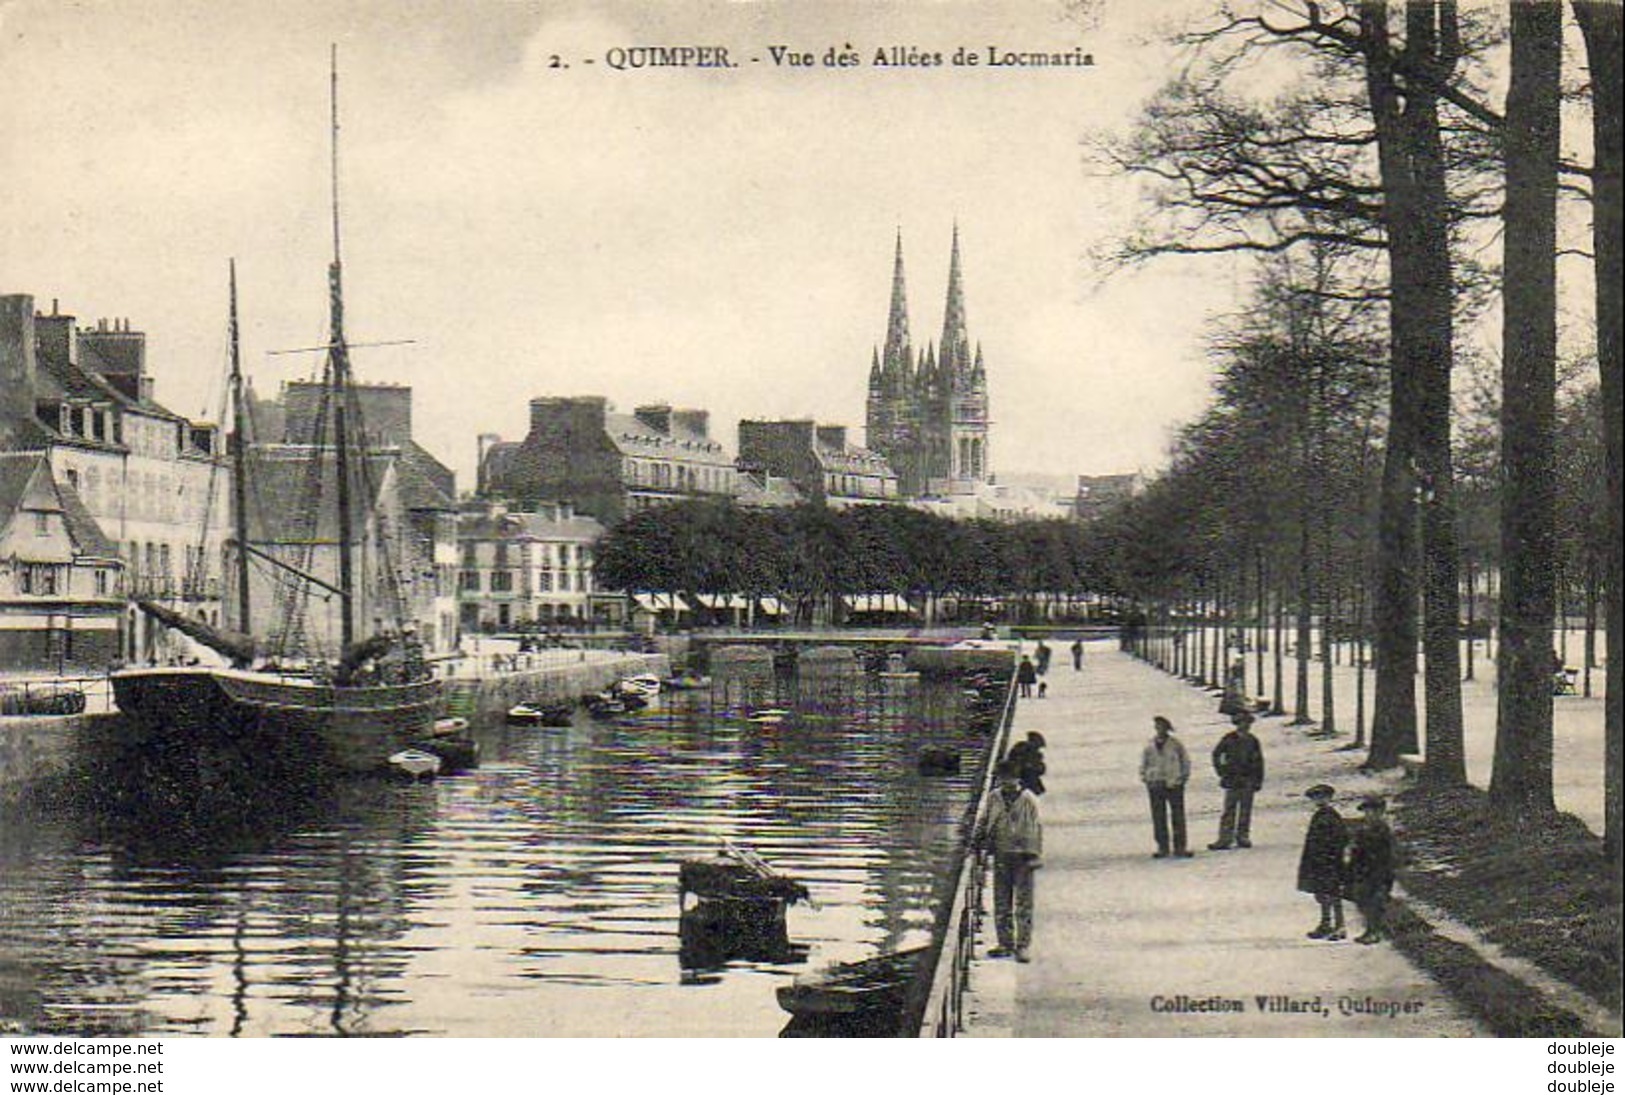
(1375, 161)
(809, 556)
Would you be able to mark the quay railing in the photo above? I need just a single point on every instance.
(944, 1015)
(65, 695)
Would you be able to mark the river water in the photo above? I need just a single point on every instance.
(534, 896)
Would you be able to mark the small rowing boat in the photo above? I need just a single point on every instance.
(877, 985)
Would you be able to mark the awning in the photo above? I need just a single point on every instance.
(877, 602)
(660, 602)
(769, 606)
(722, 600)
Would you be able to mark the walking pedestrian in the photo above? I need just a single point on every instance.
(1239, 761)
(1043, 654)
(1012, 831)
(1371, 868)
(1320, 868)
(1026, 677)
(1165, 768)
(1077, 655)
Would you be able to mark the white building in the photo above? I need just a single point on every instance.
(525, 569)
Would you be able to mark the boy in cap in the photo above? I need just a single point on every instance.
(1371, 868)
(1239, 761)
(1012, 831)
(1320, 868)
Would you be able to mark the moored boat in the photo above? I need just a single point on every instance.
(646, 685)
(540, 714)
(873, 986)
(415, 763)
(357, 700)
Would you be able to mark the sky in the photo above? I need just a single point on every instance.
(537, 222)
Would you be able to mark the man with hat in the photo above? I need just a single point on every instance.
(1165, 768)
(1239, 761)
(1371, 868)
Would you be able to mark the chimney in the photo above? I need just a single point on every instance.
(17, 364)
(58, 336)
(120, 353)
(693, 420)
(657, 416)
(568, 419)
(832, 438)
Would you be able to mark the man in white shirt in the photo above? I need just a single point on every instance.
(1165, 768)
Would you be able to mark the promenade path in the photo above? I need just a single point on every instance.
(1120, 937)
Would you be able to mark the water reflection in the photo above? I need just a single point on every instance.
(535, 896)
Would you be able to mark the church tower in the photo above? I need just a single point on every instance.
(927, 413)
(892, 420)
(966, 382)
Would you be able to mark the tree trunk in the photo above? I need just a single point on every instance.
(1359, 668)
(1305, 607)
(1521, 785)
(1591, 628)
(1600, 23)
(1260, 621)
(1415, 214)
(1278, 699)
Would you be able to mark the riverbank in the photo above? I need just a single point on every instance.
(40, 752)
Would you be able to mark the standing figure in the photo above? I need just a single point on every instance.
(1239, 761)
(1043, 654)
(1371, 868)
(1077, 655)
(1320, 868)
(1012, 831)
(1165, 768)
(1027, 757)
(1026, 677)
(1234, 699)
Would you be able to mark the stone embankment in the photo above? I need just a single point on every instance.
(495, 687)
(37, 751)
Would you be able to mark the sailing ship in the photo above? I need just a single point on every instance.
(350, 708)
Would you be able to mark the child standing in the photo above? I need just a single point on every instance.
(1320, 868)
(1371, 868)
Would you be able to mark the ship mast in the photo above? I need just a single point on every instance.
(239, 472)
(338, 361)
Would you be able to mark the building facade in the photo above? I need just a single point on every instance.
(1098, 493)
(60, 606)
(820, 462)
(927, 411)
(404, 521)
(149, 478)
(605, 464)
(521, 570)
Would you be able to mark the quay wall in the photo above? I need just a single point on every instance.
(37, 751)
(496, 692)
(947, 660)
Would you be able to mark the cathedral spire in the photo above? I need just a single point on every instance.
(955, 343)
(896, 357)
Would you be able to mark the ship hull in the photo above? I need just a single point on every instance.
(350, 729)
